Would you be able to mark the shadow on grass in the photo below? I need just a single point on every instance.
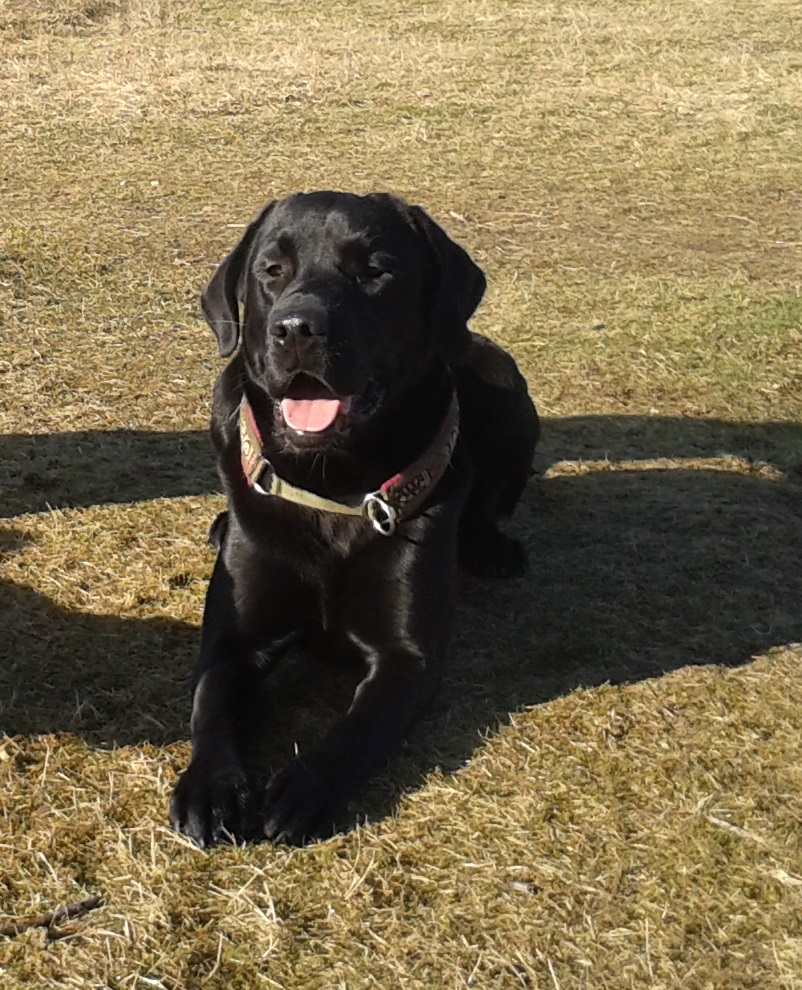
(634, 573)
(94, 467)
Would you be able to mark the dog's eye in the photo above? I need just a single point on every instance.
(275, 270)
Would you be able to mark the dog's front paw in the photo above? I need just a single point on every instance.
(212, 805)
(301, 803)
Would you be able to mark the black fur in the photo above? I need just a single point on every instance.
(335, 295)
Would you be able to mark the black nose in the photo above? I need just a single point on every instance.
(300, 327)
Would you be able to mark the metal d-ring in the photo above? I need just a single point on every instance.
(381, 515)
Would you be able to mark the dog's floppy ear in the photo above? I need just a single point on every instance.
(459, 287)
(221, 298)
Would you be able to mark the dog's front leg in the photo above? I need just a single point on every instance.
(400, 619)
(307, 799)
(213, 800)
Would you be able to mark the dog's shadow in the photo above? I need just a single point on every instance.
(685, 557)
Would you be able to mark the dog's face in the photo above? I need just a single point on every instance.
(338, 303)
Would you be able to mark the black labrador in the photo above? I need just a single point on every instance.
(368, 443)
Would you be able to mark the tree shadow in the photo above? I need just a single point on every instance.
(113, 681)
(634, 573)
(91, 467)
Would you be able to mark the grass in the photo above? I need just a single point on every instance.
(606, 794)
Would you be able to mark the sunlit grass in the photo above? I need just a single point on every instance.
(628, 174)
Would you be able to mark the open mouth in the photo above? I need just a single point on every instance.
(312, 410)
(309, 406)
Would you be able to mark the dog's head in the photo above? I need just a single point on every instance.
(338, 302)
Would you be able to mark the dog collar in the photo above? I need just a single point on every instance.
(397, 499)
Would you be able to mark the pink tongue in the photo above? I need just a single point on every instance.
(310, 415)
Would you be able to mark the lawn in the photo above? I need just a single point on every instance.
(607, 792)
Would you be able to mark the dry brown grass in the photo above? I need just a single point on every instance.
(607, 792)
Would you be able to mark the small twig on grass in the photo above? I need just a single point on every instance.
(744, 833)
(15, 928)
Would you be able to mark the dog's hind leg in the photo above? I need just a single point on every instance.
(217, 530)
(484, 550)
(500, 427)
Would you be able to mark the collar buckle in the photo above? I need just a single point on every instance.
(379, 513)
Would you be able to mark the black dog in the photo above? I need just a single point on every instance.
(368, 442)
